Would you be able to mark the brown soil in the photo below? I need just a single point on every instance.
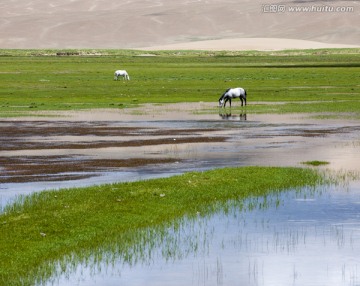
(20, 139)
(115, 144)
(48, 168)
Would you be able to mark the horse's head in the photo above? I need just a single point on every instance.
(222, 98)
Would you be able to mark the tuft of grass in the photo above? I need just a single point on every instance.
(316, 163)
(52, 228)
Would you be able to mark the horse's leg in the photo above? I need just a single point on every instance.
(230, 102)
(241, 101)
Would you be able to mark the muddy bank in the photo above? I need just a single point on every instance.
(33, 139)
(79, 148)
(64, 168)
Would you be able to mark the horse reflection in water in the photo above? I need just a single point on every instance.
(230, 116)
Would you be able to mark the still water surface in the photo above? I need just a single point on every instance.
(307, 238)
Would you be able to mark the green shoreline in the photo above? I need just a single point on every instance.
(71, 225)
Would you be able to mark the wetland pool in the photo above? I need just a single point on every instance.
(82, 148)
(311, 237)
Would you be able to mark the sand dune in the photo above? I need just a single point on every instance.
(247, 44)
(164, 24)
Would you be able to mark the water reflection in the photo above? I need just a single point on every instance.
(228, 115)
(296, 239)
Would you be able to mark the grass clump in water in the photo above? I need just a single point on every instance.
(316, 163)
(68, 226)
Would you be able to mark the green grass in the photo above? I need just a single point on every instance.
(72, 225)
(316, 163)
(326, 79)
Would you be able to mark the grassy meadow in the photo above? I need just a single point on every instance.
(40, 80)
(49, 229)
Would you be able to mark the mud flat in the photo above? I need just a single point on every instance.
(78, 148)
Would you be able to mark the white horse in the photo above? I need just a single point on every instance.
(122, 73)
(231, 93)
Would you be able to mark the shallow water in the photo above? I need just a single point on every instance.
(265, 140)
(306, 238)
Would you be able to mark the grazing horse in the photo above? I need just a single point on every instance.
(231, 93)
(122, 73)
